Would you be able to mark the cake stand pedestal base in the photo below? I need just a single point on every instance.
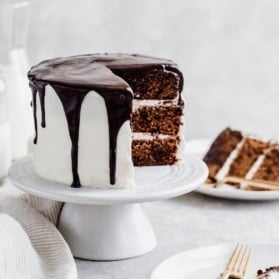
(106, 232)
(109, 224)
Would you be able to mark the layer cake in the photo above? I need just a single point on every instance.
(100, 114)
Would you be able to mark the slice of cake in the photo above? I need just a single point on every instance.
(99, 113)
(235, 154)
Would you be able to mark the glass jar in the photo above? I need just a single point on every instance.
(14, 62)
(5, 157)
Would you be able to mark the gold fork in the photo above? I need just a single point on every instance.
(238, 263)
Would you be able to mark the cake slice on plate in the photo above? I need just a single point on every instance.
(234, 153)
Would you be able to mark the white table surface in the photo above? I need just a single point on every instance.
(191, 221)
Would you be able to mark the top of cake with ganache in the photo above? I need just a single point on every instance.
(96, 70)
(118, 79)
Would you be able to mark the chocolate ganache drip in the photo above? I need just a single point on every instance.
(72, 78)
(38, 88)
(71, 99)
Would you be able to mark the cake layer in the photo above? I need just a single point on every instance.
(155, 152)
(269, 167)
(157, 119)
(162, 82)
(220, 151)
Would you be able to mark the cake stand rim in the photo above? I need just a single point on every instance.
(198, 175)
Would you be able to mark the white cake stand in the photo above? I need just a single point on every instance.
(110, 224)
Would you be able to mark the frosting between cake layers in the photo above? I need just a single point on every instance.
(149, 136)
(252, 171)
(153, 103)
(250, 174)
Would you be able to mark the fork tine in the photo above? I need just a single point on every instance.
(235, 258)
(232, 258)
(239, 259)
(238, 262)
(245, 260)
(231, 262)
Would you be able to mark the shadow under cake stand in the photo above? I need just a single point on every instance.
(109, 224)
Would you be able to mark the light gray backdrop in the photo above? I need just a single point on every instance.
(228, 51)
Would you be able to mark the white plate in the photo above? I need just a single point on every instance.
(152, 183)
(209, 262)
(199, 148)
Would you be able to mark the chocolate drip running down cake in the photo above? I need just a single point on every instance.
(98, 115)
(235, 154)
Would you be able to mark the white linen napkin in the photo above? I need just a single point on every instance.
(30, 245)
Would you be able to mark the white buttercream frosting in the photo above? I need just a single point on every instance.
(149, 136)
(52, 153)
(252, 171)
(153, 103)
(255, 167)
